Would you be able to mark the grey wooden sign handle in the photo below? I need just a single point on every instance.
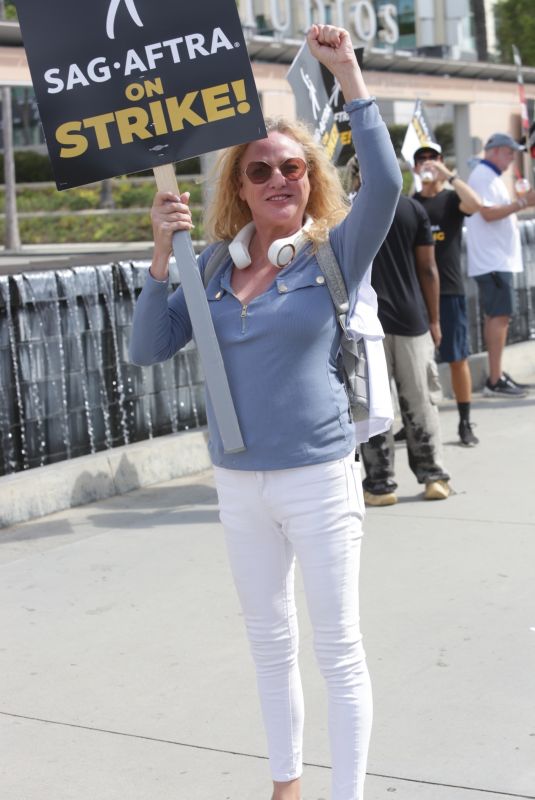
(203, 327)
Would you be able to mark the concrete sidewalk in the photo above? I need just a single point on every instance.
(126, 674)
(54, 487)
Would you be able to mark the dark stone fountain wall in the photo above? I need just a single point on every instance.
(66, 385)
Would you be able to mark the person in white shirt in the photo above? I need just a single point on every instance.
(494, 254)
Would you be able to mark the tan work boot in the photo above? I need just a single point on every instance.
(388, 499)
(437, 490)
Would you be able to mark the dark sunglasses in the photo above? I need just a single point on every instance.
(429, 157)
(292, 169)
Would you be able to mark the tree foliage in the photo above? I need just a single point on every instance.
(515, 24)
(445, 138)
(8, 10)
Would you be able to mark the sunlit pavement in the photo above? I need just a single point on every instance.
(126, 675)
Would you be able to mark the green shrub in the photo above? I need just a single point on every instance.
(41, 199)
(126, 194)
(80, 198)
(11, 11)
(34, 167)
(47, 198)
(445, 138)
(408, 179)
(108, 227)
(195, 190)
(443, 135)
(30, 166)
(397, 134)
(191, 166)
(129, 194)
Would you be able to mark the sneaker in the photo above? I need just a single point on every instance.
(515, 383)
(466, 434)
(401, 435)
(437, 490)
(388, 499)
(503, 387)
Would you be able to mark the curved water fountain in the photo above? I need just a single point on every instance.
(66, 385)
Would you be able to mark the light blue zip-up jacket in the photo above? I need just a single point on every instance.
(280, 350)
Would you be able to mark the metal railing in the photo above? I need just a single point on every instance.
(522, 325)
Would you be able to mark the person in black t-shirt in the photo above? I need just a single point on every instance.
(405, 278)
(447, 210)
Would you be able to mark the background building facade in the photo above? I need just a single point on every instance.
(413, 49)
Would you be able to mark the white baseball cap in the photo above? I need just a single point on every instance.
(428, 146)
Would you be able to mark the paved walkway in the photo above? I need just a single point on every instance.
(126, 675)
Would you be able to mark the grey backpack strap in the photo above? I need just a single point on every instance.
(352, 352)
(217, 257)
(334, 280)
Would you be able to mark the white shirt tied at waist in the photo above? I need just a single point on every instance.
(363, 323)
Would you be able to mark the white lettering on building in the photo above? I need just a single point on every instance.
(364, 20)
(281, 22)
(247, 15)
(361, 17)
(388, 14)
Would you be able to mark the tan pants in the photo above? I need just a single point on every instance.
(411, 364)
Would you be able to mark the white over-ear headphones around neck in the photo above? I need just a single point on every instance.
(281, 252)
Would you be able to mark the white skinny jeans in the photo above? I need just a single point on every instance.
(314, 513)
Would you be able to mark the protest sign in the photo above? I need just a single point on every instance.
(345, 147)
(418, 133)
(127, 85)
(319, 102)
(311, 98)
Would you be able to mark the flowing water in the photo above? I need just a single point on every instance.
(67, 387)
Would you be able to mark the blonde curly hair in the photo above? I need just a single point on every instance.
(327, 203)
